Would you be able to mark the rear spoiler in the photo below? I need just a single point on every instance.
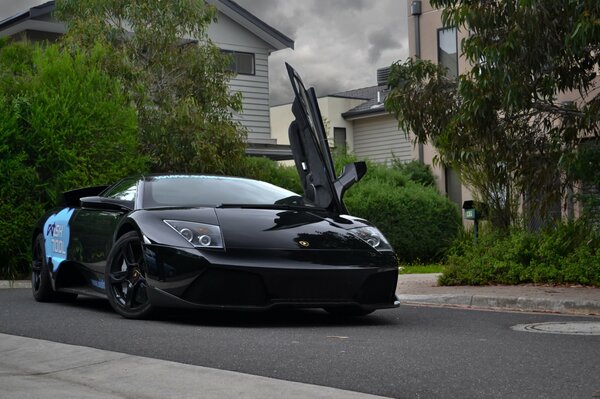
(71, 198)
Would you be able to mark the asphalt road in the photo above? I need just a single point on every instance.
(410, 352)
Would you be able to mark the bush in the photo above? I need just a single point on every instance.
(419, 223)
(264, 169)
(564, 253)
(416, 171)
(65, 124)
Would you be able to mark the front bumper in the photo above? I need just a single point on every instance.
(260, 280)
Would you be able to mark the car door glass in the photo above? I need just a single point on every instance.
(124, 190)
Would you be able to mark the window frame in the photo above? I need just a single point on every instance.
(234, 63)
(439, 49)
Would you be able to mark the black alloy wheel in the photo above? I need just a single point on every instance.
(41, 284)
(125, 278)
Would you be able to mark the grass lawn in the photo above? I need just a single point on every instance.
(414, 269)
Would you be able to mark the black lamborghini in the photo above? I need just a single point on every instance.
(204, 241)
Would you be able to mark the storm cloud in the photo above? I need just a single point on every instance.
(339, 44)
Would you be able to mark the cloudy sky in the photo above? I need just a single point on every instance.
(339, 44)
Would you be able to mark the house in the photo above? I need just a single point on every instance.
(247, 38)
(357, 122)
(429, 39)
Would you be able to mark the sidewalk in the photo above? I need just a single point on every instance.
(422, 289)
(34, 368)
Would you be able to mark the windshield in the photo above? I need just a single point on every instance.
(196, 190)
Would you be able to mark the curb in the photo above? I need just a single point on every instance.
(576, 307)
(523, 304)
(15, 284)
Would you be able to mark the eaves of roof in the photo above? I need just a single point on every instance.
(33, 12)
(364, 93)
(275, 38)
(230, 8)
(375, 111)
(373, 106)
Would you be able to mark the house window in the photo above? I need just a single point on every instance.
(339, 139)
(453, 185)
(448, 50)
(241, 63)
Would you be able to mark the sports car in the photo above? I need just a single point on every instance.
(218, 242)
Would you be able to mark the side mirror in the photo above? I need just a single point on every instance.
(351, 173)
(104, 203)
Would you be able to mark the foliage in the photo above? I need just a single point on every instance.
(375, 172)
(416, 171)
(419, 223)
(65, 124)
(422, 268)
(179, 85)
(585, 168)
(564, 253)
(264, 169)
(502, 124)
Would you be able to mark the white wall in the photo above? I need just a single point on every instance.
(229, 35)
(331, 108)
(378, 139)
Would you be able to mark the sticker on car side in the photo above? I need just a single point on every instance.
(56, 237)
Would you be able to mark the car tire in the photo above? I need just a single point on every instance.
(41, 284)
(125, 278)
(348, 311)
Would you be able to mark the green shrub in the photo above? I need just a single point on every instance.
(375, 172)
(419, 223)
(264, 169)
(416, 171)
(564, 253)
(65, 124)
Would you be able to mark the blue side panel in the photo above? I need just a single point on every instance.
(56, 237)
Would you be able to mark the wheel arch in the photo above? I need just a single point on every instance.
(124, 228)
(36, 231)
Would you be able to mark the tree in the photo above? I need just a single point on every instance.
(504, 124)
(174, 74)
(65, 124)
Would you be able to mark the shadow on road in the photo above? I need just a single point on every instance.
(289, 317)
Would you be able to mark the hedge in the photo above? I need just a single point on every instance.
(566, 253)
(419, 223)
(65, 124)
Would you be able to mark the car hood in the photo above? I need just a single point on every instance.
(245, 228)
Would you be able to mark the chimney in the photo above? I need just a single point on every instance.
(382, 76)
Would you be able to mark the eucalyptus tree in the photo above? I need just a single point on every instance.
(513, 121)
(176, 77)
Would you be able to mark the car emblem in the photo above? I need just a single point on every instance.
(304, 244)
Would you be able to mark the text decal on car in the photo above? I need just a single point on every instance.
(56, 237)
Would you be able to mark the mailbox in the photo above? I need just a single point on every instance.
(474, 211)
(470, 211)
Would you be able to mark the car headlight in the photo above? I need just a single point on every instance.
(372, 236)
(200, 235)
